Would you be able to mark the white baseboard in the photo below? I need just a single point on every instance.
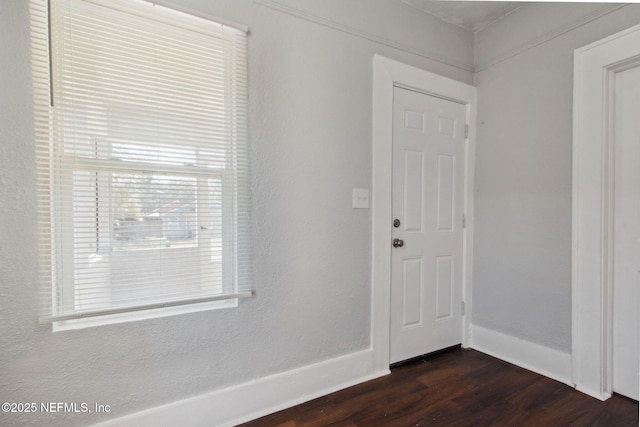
(593, 393)
(543, 360)
(251, 400)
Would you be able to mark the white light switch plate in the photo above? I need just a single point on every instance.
(360, 198)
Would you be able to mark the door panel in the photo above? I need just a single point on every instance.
(413, 179)
(444, 286)
(446, 193)
(412, 279)
(428, 176)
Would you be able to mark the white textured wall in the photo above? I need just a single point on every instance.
(311, 143)
(522, 266)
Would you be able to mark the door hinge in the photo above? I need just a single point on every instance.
(462, 308)
(466, 131)
(464, 221)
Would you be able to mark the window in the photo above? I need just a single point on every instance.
(141, 132)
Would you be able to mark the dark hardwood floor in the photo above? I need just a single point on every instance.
(457, 388)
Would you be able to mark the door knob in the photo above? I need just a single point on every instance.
(397, 243)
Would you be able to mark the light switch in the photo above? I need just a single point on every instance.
(360, 198)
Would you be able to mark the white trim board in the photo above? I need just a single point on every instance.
(595, 66)
(534, 357)
(388, 73)
(244, 402)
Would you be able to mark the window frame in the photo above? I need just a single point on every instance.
(57, 206)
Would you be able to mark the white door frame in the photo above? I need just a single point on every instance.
(388, 73)
(595, 66)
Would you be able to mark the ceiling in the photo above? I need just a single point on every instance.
(470, 15)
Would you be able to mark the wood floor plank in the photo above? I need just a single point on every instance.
(458, 388)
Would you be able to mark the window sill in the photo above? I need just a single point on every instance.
(110, 319)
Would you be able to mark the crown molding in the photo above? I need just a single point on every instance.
(517, 50)
(347, 29)
(550, 35)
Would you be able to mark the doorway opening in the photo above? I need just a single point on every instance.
(599, 69)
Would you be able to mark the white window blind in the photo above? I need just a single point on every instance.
(141, 132)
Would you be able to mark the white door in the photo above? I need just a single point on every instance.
(428, 188)
(626, 268)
